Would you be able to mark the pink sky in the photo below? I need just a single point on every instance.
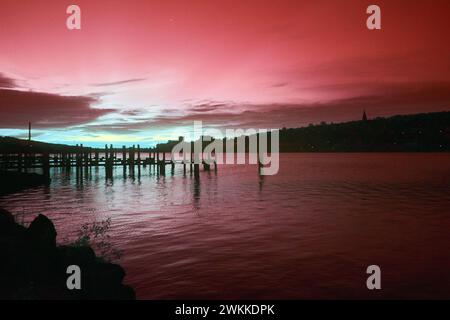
(142, 71)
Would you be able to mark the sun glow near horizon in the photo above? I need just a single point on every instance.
(147, 72)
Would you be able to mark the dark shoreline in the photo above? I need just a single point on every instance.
(11, 182)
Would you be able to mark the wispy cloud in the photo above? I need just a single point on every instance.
(116, 83)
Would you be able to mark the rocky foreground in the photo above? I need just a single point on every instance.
(32, 266)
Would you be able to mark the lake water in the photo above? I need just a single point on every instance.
(308, 232)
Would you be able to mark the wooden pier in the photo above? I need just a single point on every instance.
(83, 157)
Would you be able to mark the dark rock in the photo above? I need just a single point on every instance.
(80, 256)
(33, 267)
(42, 232)
(8, 226)
(110, 273)
(6, 219)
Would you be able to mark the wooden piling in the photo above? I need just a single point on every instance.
(196, 169)
(112, 156)
(139, 154)
(124, 156)
(80, 156)
(132, 156)
(96, 157)
(46, 164)
(19, 162)
(106, 153)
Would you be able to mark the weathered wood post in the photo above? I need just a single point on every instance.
(145, 160)
(109, 154)
(258, 150)
(96, 157)
(132, 156)
(25, 160)
(124, 156)
(81, 155)
(112, 156)
(4, 158)
(63, 159)
(19, 162)
(207, 163)
(8, 160)
(149, 160)
(106, 154)
(69, 159)
(124, 160)
(86, 156)
(162, 163)
(192, 156)
(196, 169)
(77, 156)
(197, 161)
(46, 165)
(107, 161)
(139, 154)
(139, 159)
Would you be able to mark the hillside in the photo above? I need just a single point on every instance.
(419, 132)
(426, 132)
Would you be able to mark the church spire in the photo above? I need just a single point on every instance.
(364, 117)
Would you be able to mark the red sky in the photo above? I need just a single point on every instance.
(144, 70)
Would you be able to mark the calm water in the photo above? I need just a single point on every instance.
(308, 232)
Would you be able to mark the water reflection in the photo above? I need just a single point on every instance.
(308, 232)
(196, 192)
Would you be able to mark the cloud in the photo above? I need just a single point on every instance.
(381, 99)
(279, 85)
(45, 110)
(6, 82)
(208, 106)
(105, 84)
